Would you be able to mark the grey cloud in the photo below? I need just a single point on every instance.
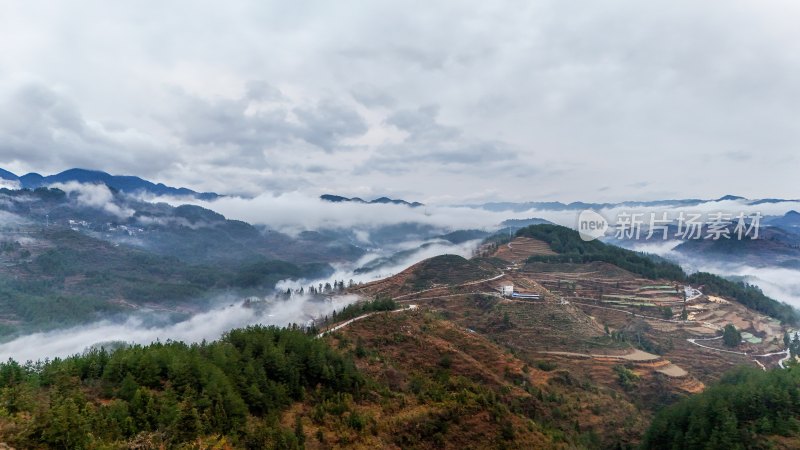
(225, 122)
(39, 124)
(427, 59)
(263, 91)
(263, 118)
(371, 96)
(430, 143)
(328, 122)
(422, 124)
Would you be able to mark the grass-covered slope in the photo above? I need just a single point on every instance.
(446, 270)
(456, 388)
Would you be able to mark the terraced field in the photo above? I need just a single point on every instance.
(605, 285)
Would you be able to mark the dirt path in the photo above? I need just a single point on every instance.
(468, 283)
(494, 294)
(694, 341)
(363, 316)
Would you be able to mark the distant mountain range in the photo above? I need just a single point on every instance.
(789, 221)
(127, 184)
(576, 206)
(384, 200)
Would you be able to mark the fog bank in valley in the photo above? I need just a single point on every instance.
(139, 328)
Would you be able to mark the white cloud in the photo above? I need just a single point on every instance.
(9, 184)
(293, 211)
(94, 196)
(420, 251)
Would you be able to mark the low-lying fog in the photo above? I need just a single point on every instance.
(141, 329)
(144, 328)
(422, 251)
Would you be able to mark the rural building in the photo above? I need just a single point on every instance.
(508, 291)
(526, 295)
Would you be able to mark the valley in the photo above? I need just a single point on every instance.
(453, 225)
(532, 339)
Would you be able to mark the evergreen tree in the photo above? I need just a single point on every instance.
(731, 337)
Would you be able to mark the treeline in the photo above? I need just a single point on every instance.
(572, 249)
(354, 310)
(168, 394)
(327, 288)
(746, 294)
(741, 411)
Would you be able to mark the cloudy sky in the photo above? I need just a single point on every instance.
(450, 102)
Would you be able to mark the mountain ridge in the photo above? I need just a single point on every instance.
(380, 200)
(580, 205)
(124, 183)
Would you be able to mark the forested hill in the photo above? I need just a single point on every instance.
(572, 249)
(748, 408)
(170, 394)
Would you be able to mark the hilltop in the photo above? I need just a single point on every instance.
(617, 319)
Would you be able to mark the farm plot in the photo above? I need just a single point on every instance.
(522, 248)
(603, 284)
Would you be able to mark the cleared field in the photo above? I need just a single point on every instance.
(673, 371)
(634, 355)
(522, 248)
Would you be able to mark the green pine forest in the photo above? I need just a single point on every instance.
(170, 393)
(747, 408)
